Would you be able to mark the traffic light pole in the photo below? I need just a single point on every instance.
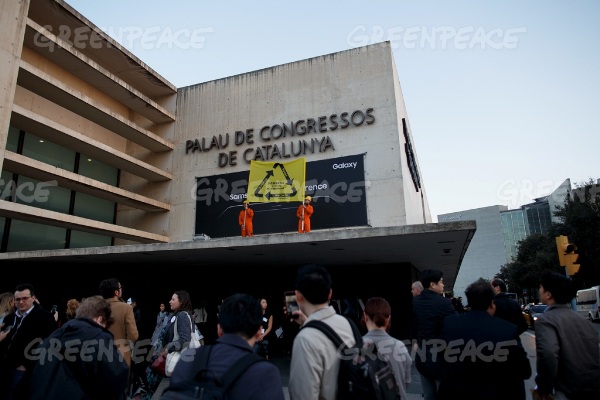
(568, 259)
(573, 300)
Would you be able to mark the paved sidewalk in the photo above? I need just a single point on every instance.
(161, 386)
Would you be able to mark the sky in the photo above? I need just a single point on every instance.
(503, 97)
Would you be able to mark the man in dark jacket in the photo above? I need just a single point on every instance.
(80, 360)
(29, 324)
(506, 307)
(567, 346)
(429, 310)
(239, 326)
(483, 358)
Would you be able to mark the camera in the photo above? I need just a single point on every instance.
(291, 304)
(54, 309)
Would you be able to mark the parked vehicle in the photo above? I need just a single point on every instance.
(531, 313)
(512, 295)
(588, 303)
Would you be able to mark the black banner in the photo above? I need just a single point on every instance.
(337, 188)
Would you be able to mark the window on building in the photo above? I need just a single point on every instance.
(12, 143)
(98, 170)
(26, 236)
(46, 195)
(2, 224)
(48, 152)
(81, 239)
(87, 206)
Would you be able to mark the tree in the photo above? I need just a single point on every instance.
(536, 254)
(580, 221)
(580, 217)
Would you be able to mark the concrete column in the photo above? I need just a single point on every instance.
(13, 19)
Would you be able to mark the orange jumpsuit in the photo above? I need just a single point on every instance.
(245, 221)
(307, 213)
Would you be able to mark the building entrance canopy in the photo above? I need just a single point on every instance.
(439, 246)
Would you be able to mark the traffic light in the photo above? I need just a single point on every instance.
(567, 255)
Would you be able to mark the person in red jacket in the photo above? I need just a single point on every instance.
(245, 220)
(304, 212)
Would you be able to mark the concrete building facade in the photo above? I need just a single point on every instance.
(108, 166)
(499, 231)
(73, 87)
(486, 254)
(76, 103)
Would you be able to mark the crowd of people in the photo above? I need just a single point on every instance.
(95, 351)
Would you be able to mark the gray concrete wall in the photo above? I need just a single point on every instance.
(485, 254)
(13, 16)
(356, 79)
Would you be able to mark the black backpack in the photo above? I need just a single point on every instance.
(365, 375)
(206, 385)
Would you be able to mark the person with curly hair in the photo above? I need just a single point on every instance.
(71, 310)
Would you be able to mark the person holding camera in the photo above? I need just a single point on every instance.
(315, 360)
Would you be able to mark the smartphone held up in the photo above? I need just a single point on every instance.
(291, 304)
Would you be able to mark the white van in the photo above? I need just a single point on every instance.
(588, 303)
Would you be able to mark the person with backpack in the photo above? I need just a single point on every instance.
(315, 359)
(228, 369)
(377, 317)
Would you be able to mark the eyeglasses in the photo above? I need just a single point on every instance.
(20, 299)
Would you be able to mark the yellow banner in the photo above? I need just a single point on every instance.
(276, 182)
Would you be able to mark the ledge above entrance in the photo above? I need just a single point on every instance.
(435, 245)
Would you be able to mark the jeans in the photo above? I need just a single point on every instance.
(15, 378)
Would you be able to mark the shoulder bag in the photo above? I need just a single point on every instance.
(173, 357)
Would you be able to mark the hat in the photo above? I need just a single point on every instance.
(130, 300)
(308, 198)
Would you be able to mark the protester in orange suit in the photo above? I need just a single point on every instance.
(245, 220)
(304, 212)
